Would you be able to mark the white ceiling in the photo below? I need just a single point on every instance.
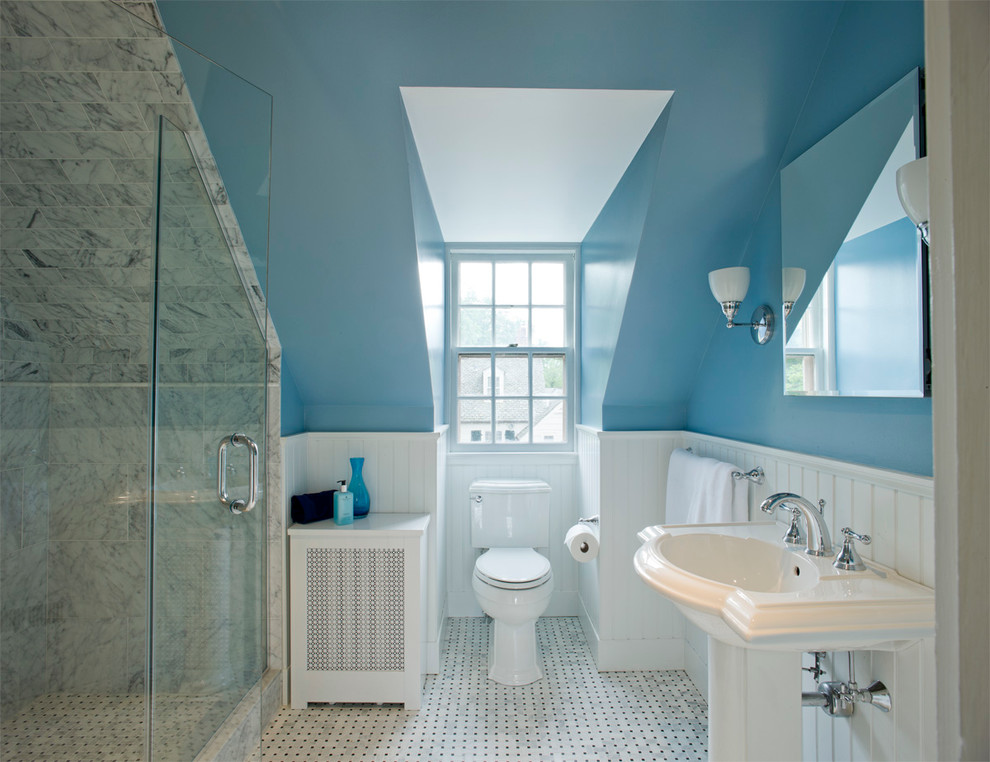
(508, 165)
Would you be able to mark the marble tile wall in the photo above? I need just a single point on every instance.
(82, 85)
(23, 542)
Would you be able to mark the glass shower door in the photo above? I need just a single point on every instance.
(207, 645)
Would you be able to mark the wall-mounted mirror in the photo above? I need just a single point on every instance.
(854, 264)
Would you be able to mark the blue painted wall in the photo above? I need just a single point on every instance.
(738, 392)
(237, 118)
(608, 257)
(344, 287)
(738, 91)
(878, 341)
(292, 407)
(815, 218)
(431, 255)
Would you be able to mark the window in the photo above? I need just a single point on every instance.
(809, 355)
(512, 339)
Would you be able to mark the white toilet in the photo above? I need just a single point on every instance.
(512, 581)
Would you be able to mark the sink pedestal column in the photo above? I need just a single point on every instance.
(754, 704)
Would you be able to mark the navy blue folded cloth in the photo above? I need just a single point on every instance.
(316, 506)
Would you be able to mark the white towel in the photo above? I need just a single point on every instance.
(702, 491)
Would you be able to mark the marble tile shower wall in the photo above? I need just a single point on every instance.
(82, 86)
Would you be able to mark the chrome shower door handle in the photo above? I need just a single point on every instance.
(238, 505)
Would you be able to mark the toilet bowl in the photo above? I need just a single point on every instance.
(512, 582)
(514, 587)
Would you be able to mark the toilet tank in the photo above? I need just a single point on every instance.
(510, 513)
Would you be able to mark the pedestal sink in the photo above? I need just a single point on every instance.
(763, 604)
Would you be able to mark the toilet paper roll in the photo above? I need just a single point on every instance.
(582, 541)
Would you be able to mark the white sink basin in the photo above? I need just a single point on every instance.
(739, 562)
(744, 587)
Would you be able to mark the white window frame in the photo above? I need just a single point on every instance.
(569, 254)
(821, 311)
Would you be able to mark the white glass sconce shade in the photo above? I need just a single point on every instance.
(793, 286)
(729, 284)
(912, 190)
(793, 283)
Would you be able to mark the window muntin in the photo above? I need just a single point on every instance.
(512, 348)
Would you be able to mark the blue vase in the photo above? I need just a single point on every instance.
(362, 501)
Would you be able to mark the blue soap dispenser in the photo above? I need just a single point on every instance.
(343, 505)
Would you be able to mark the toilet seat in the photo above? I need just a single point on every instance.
(512, 568)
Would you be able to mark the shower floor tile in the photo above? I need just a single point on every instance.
(102, 728)
(573, 713)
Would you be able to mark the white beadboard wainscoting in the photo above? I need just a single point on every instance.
(897, 510)
(559, 470)
(623, 478)
(405, 473)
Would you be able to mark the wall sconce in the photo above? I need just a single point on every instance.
(793, 286)
(729, 286)
(912, 190)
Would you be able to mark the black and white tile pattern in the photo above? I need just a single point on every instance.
(573, 714)
(69, 727)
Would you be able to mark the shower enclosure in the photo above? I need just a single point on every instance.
(137, 362)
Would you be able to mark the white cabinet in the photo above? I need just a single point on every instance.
(357, 601)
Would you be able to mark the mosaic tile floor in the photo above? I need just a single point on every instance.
(68, 727)
(573, 714)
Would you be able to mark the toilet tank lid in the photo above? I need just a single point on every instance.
(508, 485)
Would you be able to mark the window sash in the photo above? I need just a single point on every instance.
(493, 433)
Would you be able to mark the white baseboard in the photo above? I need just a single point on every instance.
(590, 633)
(562, 603)
(629, 655)
(432, 648)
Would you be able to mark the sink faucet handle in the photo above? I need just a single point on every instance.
(794, 534)
(848, 558)
(863, 538)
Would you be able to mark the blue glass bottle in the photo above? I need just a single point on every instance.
(362, 501)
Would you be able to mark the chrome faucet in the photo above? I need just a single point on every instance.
(819, 540)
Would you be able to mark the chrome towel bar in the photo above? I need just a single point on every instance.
(756, 475)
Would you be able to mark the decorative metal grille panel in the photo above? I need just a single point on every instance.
(354, 609)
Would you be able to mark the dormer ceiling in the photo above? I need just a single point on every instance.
(525, 164)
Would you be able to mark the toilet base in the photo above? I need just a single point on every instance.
(513, 658)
